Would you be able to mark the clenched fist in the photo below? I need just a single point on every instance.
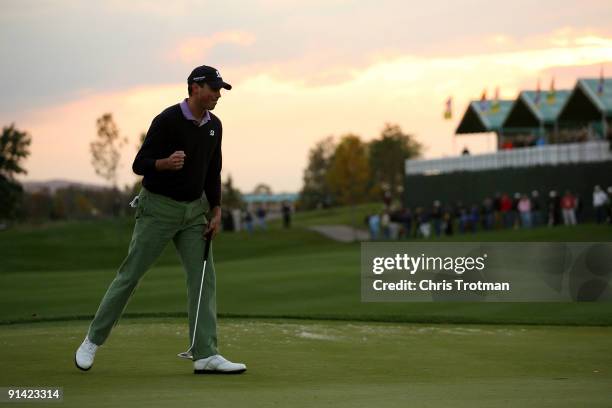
(174, 162)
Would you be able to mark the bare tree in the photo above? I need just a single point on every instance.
(105, 150)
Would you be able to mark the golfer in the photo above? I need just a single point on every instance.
(180, 159)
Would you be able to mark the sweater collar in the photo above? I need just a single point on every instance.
(189, 116)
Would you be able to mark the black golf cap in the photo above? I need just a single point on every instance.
(209, 75)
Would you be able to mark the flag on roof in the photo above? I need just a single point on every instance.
(538, 94)
(551, 95)
(448, 113)
(484, 104)
(600, 85)
(495, 106)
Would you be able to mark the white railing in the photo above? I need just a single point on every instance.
(593, 151)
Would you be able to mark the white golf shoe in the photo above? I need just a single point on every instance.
(85, 354)
(217, 365)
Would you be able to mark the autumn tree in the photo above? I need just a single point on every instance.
(349, 171)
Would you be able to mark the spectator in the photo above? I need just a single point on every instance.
(406, 221)
(474, 217)
(515, 212)
(448, 222)
(396, 225)
(374, 226)
(261, 217)
(506, 210)
(248, 221)
(536, 209)
(554, 209)
(568, 207)
(497, 209)
(524, 208)
(488, 219)
(463, 217)
(436, 217)
(423, 225)
(600, 203)
(286, 209)
(385, 224)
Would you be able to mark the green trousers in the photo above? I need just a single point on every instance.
(160, 219)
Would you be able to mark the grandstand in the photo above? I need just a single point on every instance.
(548, 155)
(589, 106)
(555, 140)
(532, 121)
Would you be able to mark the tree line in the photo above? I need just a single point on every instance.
(352, 171)
(74, 201)
(346, 172)
(70, 202)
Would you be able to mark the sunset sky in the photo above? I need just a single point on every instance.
(301, 70)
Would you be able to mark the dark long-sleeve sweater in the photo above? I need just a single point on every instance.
(170, 131)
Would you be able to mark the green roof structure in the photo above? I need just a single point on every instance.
(586, 103)
(528, 112)
(482, 117)
(270, 198)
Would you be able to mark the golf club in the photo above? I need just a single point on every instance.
(188, 354)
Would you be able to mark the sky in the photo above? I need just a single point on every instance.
(300, 70)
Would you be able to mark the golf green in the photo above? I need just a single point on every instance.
(319, 363)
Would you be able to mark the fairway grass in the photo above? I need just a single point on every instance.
(319, 363)
(61, 271)
(323, 286)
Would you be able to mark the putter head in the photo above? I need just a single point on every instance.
(186, 355)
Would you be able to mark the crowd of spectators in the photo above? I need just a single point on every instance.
(520, 210)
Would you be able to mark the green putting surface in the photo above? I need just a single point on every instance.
(319, 363)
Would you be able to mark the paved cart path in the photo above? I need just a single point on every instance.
(341, 233)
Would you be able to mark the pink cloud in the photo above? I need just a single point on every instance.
(194, 49)
(328, 66)
(343, 96)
